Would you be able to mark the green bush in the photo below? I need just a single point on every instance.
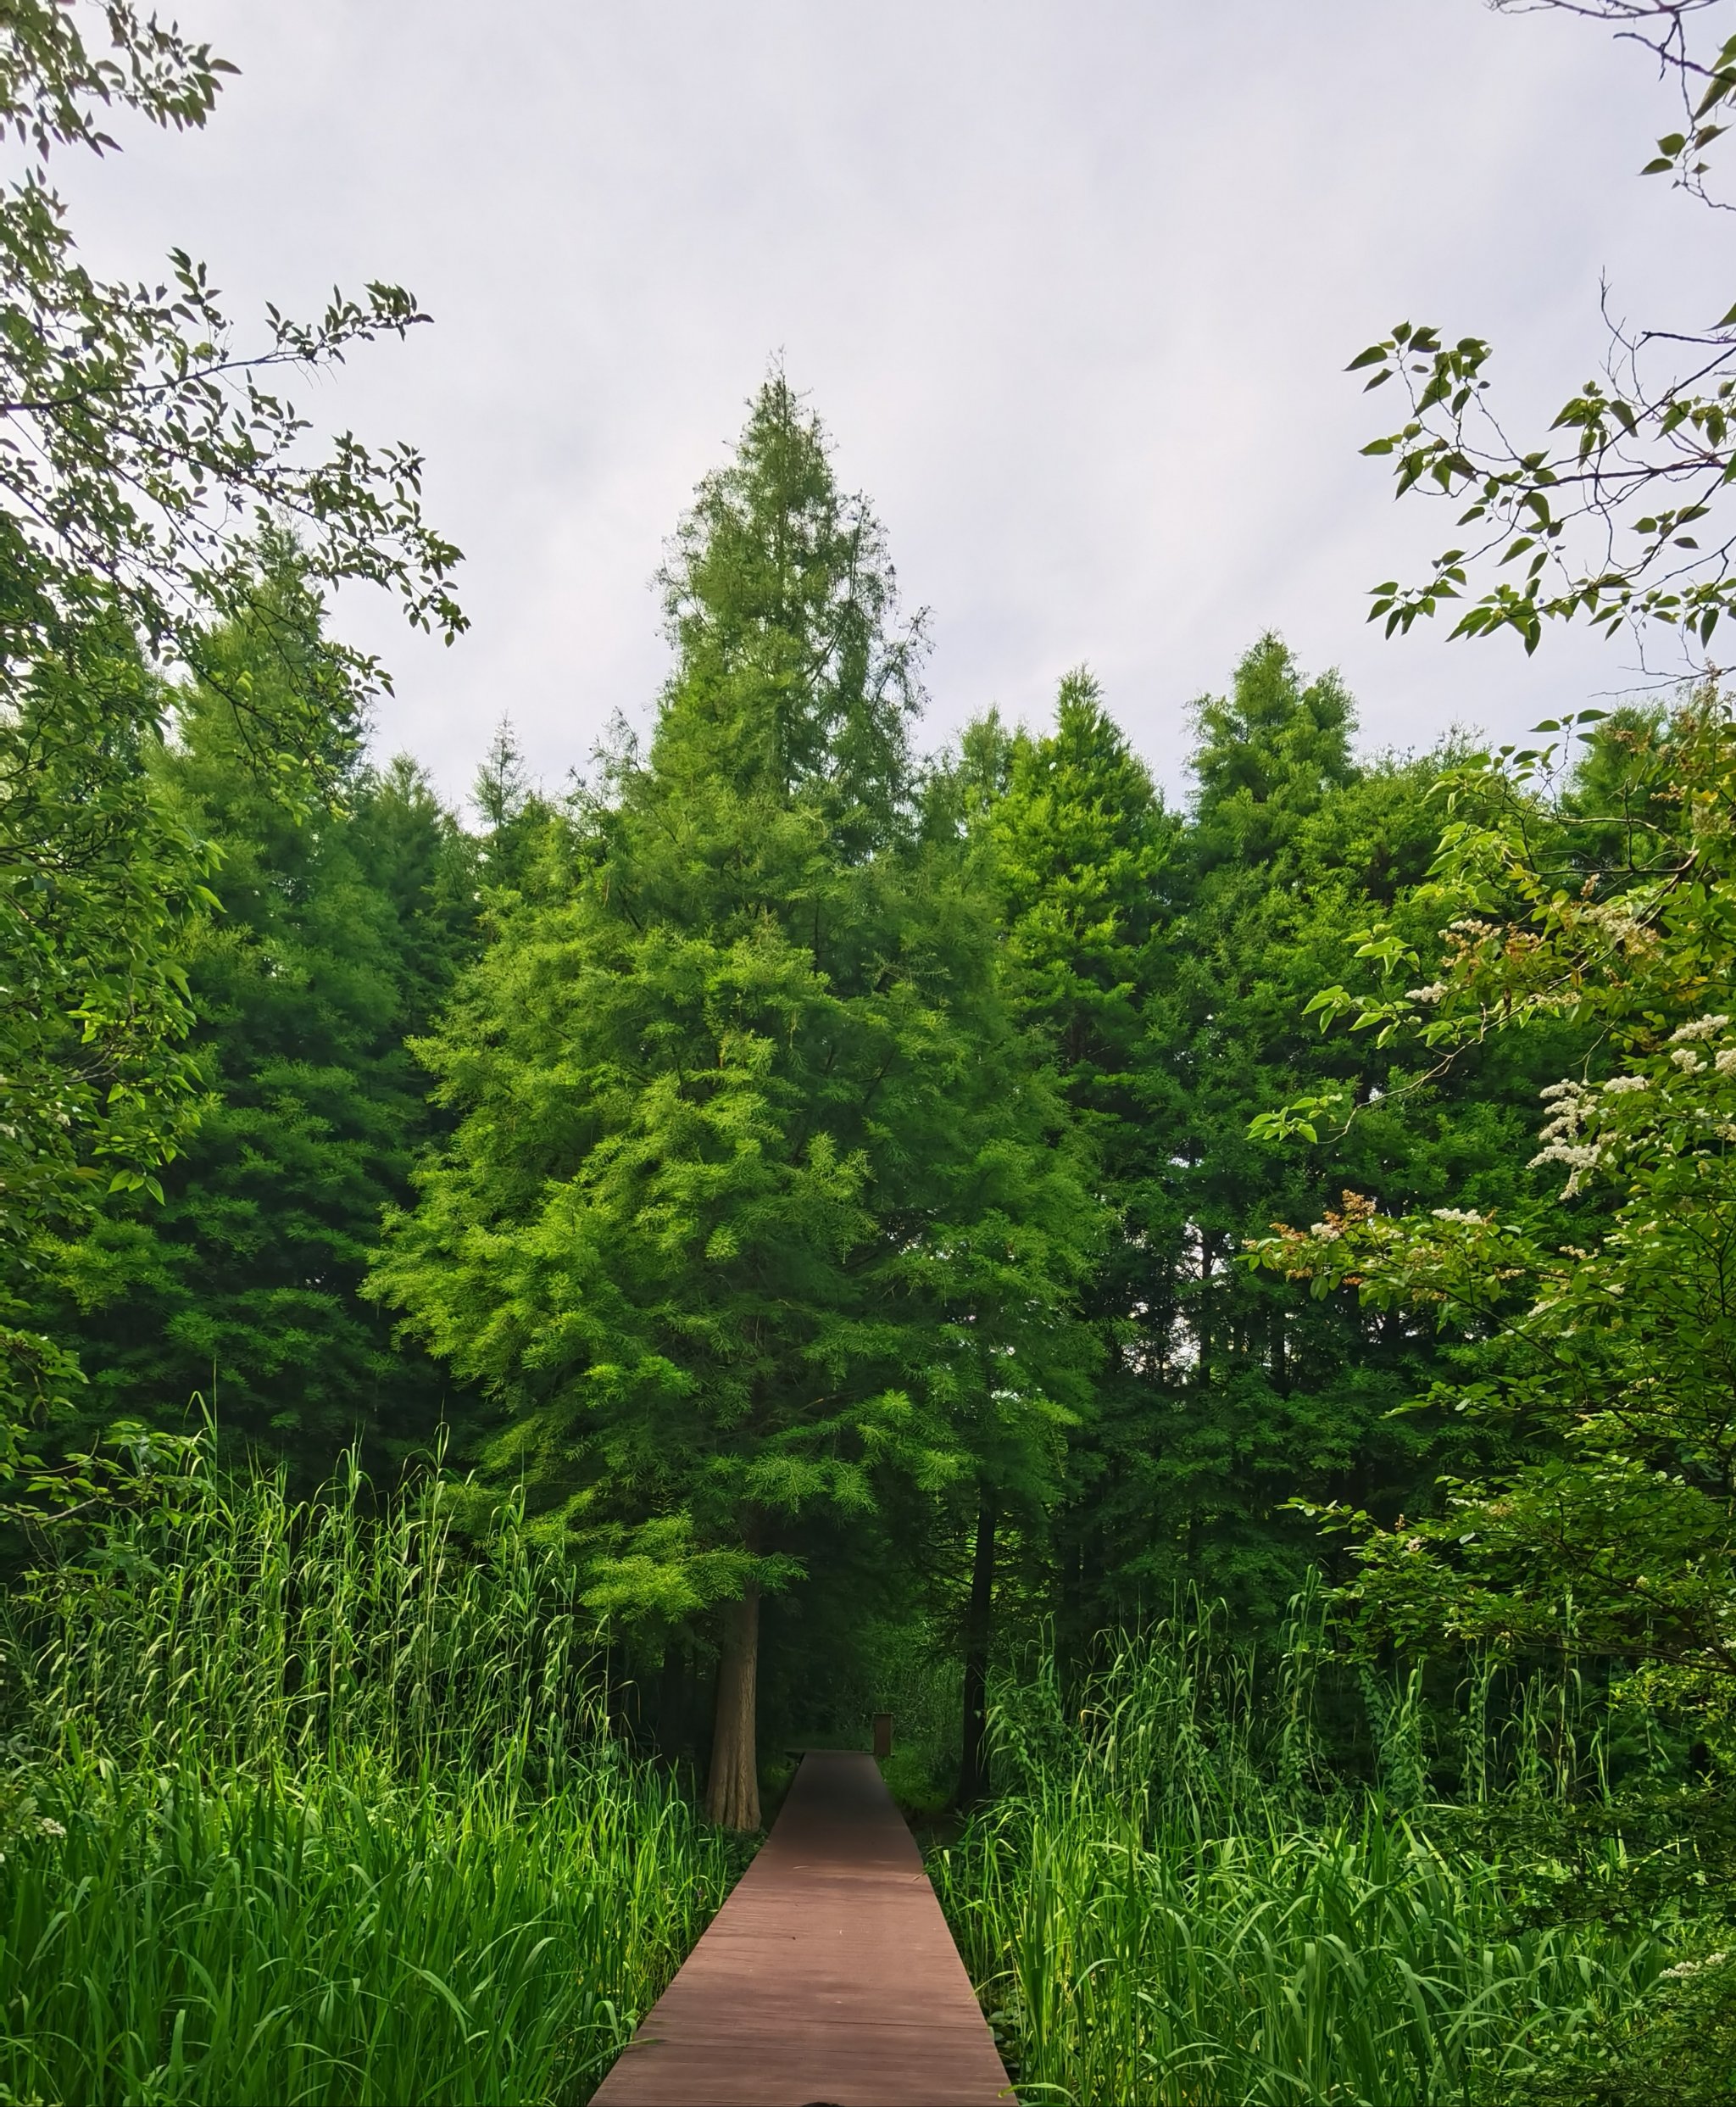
(1675, 2048)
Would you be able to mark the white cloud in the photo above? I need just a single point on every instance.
(1072, 286)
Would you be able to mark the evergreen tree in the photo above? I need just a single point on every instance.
(1076, 845)
(757, 1207)
(339, 933)
(1296, 849)
(1596, 1512)
(1291, 851)
(1167, 962)
(525, 837)
(1270, 754)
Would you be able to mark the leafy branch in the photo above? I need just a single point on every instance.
(1619, 515)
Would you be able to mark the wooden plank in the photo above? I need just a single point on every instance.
(827, 1979)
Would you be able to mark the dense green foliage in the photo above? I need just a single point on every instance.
(875, 1226)
(1181, 1896)
(1167, 959)
(144, 454)
(1597, 1500)
(335, 936)
(819, 1191)
(758, 1199)
(389, 1853)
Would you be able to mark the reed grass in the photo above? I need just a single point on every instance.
(1174, 1900)
(316, 1805)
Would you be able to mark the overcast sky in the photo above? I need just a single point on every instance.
(1072, 286)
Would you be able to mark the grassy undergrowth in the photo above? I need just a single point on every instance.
(312, 1803)
(1175, 1900)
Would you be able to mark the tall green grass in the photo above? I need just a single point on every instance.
(1175, 1901)
(314, 1804)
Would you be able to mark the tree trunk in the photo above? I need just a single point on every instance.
(1203, 1373)
(1069, 1608)
(732, 1797)
(972, 1772)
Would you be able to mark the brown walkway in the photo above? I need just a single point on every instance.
(829, 1975)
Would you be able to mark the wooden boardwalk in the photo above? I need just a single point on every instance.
(827, 1979)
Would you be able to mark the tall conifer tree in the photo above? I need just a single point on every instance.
(338, 931)
(758, 1201)
(1075, 845)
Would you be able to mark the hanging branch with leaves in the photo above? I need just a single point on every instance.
(1620, 514)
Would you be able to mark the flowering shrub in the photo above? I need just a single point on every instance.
(1603, 1396)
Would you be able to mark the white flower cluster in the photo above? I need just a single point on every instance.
(1572, 1104)
(1703, 1027)
(1684, 1056)
(1436, 991)
(1684, 1969)
(1461, 1214)
(1324, 1233)
(1616, 923)
(1575, 1134)
(1579, 1158)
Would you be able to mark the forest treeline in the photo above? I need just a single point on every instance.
(819, 1172)
(1217, 1310)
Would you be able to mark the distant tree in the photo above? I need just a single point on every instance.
(339, 932)
(1597, 1511)
(526, 835)
(503, 789)
(1270, 754)
(1165, 959)
(1295, 849)
(1074, 843)
(1584, 885)
(757, 1202)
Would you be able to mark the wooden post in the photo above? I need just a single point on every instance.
(882, 1736)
